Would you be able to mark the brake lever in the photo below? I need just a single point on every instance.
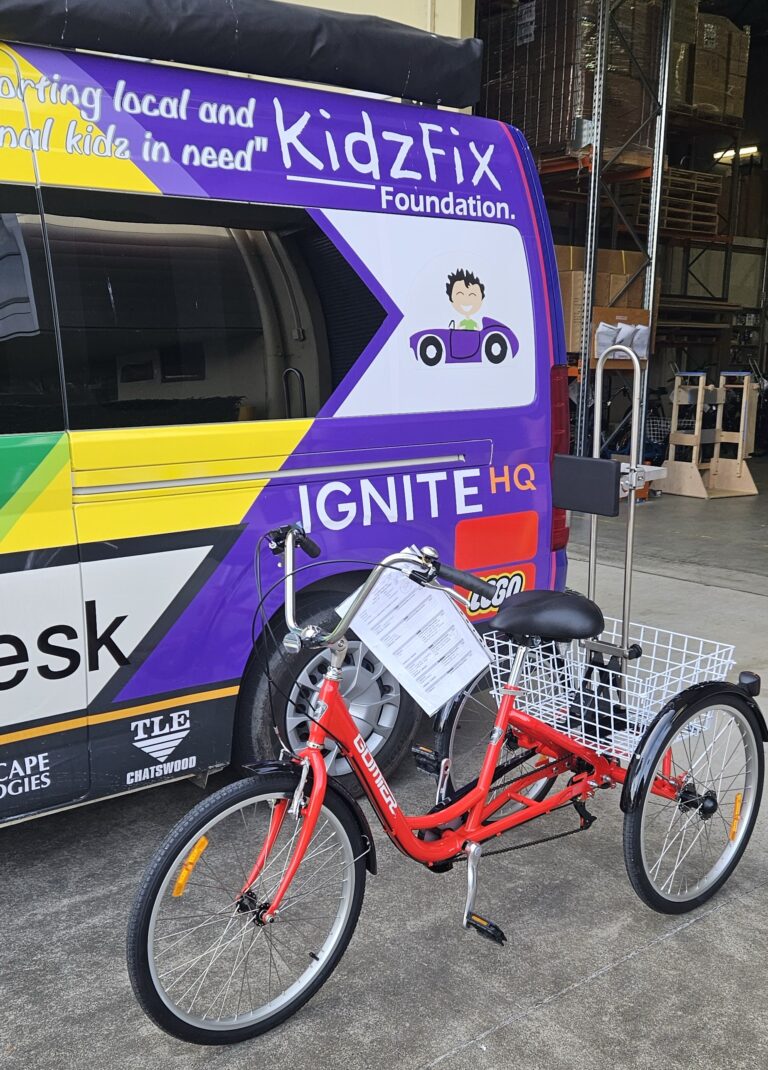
(424, 579)
(276, 539)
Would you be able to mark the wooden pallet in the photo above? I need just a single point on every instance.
(689, 201)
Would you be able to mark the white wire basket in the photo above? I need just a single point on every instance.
(599, 705)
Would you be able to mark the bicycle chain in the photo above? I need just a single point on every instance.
(530, 843)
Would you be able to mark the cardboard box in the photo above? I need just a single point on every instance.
(607, 289)
(620, 261)
(615, 268)
(545, 53)
(680, 71)
(613, 261)
(617, 316)
(720, 62)
(686, 17)
(572, 294)
(569, 257)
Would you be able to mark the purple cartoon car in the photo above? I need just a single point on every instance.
(493, 340)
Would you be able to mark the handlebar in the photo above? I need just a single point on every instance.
(465, 579)
(426, 566)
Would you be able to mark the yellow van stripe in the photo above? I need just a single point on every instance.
(116, 715)
(199, 444)
(16, 165)
(161, 513)
(102, 455)
(58, 167)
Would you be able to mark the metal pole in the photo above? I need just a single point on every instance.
(654, 208)
(631, 480)
(593, 224)
(763, 335)
(659, 142)
(733, 216)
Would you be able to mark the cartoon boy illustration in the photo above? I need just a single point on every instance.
(466, 293)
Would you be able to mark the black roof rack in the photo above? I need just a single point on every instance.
(265, 37)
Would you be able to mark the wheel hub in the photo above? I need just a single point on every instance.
(691, 799)
(249, 904)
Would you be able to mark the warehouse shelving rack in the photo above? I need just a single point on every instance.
(655, 84)
(591, 179)
(603, 168)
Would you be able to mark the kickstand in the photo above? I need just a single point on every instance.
(481, 925)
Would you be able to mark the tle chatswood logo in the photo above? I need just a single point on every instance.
(160, 736)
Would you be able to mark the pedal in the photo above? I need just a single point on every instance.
(486, 928)
(426, 760)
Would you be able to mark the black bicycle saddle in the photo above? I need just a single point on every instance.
(558, 615)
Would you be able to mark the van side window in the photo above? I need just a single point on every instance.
(182, 312)
(352, 314)
(30, 382)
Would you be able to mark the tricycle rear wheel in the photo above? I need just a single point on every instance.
(694, 815)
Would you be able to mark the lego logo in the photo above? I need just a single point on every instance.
(505, 585)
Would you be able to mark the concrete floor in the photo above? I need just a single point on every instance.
(722, 542)
(590, 976)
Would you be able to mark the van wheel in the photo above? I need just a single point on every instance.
(385, 714)
(431, 350)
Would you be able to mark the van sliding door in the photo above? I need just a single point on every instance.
(43, 623)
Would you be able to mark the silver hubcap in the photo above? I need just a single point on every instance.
(689, 841)
(371, 692)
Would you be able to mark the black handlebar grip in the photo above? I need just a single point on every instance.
(466, 580)
(309, 546)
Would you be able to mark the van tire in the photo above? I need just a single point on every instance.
(256, 738)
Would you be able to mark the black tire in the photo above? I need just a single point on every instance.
(496, 347)
(143, 923)
(261, 709)
(472, 714)
(431, 350)
(689, 813)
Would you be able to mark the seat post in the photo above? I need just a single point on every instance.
(517, 665)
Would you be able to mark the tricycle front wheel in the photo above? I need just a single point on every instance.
(695, 812)
(205, 962)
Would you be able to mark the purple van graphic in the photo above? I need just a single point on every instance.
(493, 340)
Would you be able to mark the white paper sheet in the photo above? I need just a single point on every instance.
(422, 637)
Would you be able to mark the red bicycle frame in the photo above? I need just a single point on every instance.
(474, 808)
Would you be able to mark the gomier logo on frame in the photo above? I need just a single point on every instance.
(378, 777)
(159, 736)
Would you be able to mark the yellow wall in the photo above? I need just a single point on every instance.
(454, 18)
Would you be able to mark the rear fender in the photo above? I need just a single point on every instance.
(293, 769)
(640, 771)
